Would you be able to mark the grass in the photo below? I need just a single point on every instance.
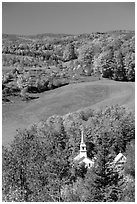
(97, 94)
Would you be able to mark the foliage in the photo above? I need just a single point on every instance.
(69, 53)
(74, 192)
(117, 122)
(35, 167)
(130, 161)
(119, 71)
(102, 181)
(109, 55)
(86, 54)
(129, 63)
(38, 166)
(128, 194)
(104, 62)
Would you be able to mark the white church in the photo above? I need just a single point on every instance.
(119, 160)
(82, 156)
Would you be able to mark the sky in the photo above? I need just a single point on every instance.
(66, 17)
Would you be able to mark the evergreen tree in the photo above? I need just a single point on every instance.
(102, 181)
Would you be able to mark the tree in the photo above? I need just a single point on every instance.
(23, 93)
(115, 120)
(129, 63)
(102, 182)
(104, 63)
(128, 194)
(22, 164)
(130, 159)
(69, 53)
(38, 164)
(35, 168)
(86, 54)
(79, 170)
(74, 192)
(119, 71)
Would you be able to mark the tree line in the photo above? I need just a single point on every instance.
(112, 53)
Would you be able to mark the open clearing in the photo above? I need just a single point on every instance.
(98, 94)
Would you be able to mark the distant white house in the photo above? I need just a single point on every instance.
(120, 158)
(119, 161)
(82, 156)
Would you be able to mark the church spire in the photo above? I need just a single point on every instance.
(82, 137)
(83, 151)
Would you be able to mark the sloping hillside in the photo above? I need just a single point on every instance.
(98, 94)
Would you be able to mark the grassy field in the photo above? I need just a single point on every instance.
(97, 94)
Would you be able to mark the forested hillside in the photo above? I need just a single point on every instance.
(39, 165)
(33, 64)
(112, 53)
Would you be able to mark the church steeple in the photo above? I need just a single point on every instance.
(82, 137)
(82, 156)
(83, 151)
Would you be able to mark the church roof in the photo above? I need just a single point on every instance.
(78, 157)
(81, 159)
(88, 159)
